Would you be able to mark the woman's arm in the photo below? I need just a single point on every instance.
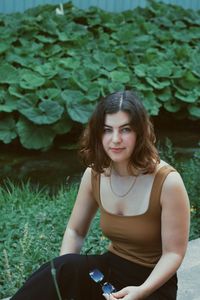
(84, 210)
(175, 221)
(174, 231)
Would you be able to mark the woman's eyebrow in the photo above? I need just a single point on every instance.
(123, 125)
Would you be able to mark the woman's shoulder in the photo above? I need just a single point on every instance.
(86, 177)
(161, 164)
(171, 171)
(89, 175)
(173, 181)
(87, 182)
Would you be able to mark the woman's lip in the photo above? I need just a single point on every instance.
(116, 149)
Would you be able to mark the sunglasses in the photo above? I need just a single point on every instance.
(98, 277)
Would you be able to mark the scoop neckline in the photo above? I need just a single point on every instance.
(130, 216)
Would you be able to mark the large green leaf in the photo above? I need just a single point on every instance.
(115, 86)
(49, 25)
(71, 31)
(188, 96)
(70, 96)
(104, 85)
(189, 80)
(46, 112)
(49, 93)
(63, 126)
(18, 59)
(2, 96)
(30, 80)
(80, 112)
(15, 90)
(144, 40)
(93, 92)
(142, 86)
(162, 69)
(150, 103)
(78, 109)
(194, 111)
(172, 106)
(45, 39)
(108, 60)
(70, 62)
(4, 46)
(178, 72)
(194, 63)
(151, 54)
(165, 95)
(141, 70)
(46, 70)
(79, 78)
(111, 21)
(82, 77)
(28, 46)
(8, 103)
(8, 74)
(33, 136)
(124, 33)
(182, 36)
(120, 76)
(51, 51)
(7, 130)
(164, 21)
(157, 84)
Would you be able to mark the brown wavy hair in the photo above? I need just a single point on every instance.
(145, 155)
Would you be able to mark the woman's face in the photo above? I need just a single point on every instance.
(119, 138)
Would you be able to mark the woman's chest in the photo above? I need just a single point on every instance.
(128, 199)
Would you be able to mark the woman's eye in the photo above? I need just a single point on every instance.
(107, 130)
(126, 129)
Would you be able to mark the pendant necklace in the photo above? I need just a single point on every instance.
(127, 192)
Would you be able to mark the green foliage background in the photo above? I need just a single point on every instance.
(53, 68)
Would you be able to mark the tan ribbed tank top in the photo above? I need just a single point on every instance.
(136, 238)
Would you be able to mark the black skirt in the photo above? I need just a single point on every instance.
(74, 283)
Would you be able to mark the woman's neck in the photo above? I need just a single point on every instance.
(121, 169)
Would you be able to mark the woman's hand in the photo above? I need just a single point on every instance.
(127, 293)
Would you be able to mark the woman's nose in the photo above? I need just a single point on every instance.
(116, 138)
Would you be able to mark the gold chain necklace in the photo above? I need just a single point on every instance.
(127, 192)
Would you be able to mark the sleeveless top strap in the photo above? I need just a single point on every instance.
(154, 201)
(159, 180)
(95, 181)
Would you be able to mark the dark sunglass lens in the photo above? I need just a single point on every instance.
(96, 275)
(108, 288)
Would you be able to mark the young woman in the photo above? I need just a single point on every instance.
(144, 211)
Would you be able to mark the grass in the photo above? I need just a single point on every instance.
(32, 223)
